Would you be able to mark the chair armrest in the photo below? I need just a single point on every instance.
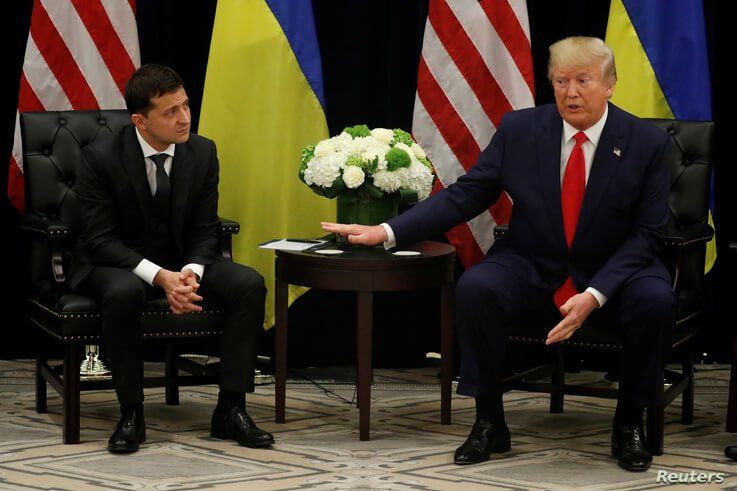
(50, 236)
(500, 231)
(50, 229)
(228, 226)
(226, 230)
(693, 236)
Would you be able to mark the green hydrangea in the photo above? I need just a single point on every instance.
(397, 158)
(402, 136)
(307, 153)
(356, 161)
(358, 130)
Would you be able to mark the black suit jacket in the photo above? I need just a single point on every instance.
(624, 210)
(115, 201)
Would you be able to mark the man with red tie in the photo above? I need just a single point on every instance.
(590, 191)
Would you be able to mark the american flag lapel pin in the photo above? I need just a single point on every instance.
(617, 152)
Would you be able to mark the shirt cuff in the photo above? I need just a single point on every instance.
(600, 297)
(197, 269)
(391, 240)
(147, 271)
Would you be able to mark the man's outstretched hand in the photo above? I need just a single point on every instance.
(575, 311)
(181, 290)
(358, 234)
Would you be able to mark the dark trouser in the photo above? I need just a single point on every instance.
(238, 289)
(490, 298)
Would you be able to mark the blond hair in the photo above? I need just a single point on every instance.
(580, 51)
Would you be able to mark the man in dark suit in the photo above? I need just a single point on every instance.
(149, 198)
(590, 192)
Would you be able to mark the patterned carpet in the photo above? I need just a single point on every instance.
(318, 448)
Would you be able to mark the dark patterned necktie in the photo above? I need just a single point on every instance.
(163, 187)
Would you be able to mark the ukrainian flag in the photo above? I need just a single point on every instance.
(263, 101)
(662, 64)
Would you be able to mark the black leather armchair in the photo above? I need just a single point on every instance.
(685, 246)
(52, 145)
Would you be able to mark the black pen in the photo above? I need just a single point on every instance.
(306, 241)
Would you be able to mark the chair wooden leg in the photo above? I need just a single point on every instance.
(557, 379)
(280, 350)
(41, 388)
(688, 393)
(171, 372)
(655, 428)
(364, 310)
(446, 349)
(71, 392)
(732, 404)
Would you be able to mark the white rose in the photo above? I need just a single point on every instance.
(382, 134)
(403, 146)
(324, 148)
(341, 142)
(353, 176)
(375, 150)
(418, 151)
(358, 145)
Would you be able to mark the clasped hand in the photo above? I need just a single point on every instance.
(181, 290)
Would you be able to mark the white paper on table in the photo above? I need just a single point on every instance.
(290, 245)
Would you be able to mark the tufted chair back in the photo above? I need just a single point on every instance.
(52, 146)
(690, 161)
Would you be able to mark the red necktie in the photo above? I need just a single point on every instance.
(571, 197)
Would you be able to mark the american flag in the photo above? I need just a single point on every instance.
(79, 55)
(476, 65)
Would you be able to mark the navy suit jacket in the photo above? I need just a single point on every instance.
(624, 211)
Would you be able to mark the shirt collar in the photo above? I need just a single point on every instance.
(593, 133)
(148, 150)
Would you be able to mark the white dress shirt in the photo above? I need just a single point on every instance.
(567, 143)
(147, 270)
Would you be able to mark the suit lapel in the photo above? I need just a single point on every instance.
(606, 162)
(180, 184)
(550, 135)
(135, 167)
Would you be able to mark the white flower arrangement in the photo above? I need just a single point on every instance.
(377, 161)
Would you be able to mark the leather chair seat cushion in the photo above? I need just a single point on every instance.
(78, 318)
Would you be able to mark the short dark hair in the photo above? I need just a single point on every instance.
(147, 82)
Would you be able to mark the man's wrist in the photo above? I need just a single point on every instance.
(147, 271)
(197, 269)
(598, 296)
(391, 240)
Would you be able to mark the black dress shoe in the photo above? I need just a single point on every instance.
(237, 425)
(731, 452)
(630, 447)
(485, 438)
(129, 433)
